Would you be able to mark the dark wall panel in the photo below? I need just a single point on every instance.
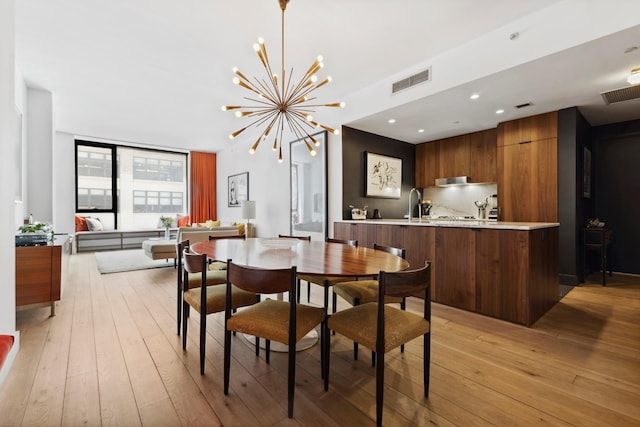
(354, 144)
(573, 135)
(616, 178)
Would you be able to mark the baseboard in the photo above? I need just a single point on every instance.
(569, 280)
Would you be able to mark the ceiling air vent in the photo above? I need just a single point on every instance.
(421, 77)
(525, 105)
(620, 95)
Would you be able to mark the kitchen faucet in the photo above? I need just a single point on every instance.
(410, 206)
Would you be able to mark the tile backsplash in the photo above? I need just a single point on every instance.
(458, 200)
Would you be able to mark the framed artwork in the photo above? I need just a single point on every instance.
(586, 184)
(238, 189)
(383, 176)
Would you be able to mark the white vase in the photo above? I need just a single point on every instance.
(167, 233)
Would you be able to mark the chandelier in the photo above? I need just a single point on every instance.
(276, 104)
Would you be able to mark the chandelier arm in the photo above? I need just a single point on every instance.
(267, 92)
(260, 119)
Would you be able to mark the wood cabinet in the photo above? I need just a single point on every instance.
(528, 169)
(528, 129)
(483, 156)
(39, 272)
(454, 157)
(472, 155)
(427, 164)
(509, 274)
(528, 181)
(455, 267)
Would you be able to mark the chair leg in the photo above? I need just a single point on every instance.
(356, 301)
(184, 325)
(267, 349)
(335, 302)
(257, 346)
(373, 359)
(179, 310)
(203, 339)
(403, 306)
(298, 294)
(291, 375)
(426, 356)
(308, 292)
(227, 358)
(379, 388)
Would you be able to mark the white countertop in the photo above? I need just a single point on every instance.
(458, 223)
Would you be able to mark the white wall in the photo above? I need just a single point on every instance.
(268, 186)
(8, 125)
(39, 152)
(64, 183)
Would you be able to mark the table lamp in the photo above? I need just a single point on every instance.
(249, 213)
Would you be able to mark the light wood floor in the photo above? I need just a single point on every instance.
(111, 356)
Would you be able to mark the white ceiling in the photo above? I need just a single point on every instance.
(157, 71)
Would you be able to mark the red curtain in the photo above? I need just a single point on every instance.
(203, 187)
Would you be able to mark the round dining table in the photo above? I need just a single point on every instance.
(309, 258)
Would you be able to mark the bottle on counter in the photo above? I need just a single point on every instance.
(30, 218)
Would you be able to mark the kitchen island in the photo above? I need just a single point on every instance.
(507, 270)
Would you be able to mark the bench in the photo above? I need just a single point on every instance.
(115, 239)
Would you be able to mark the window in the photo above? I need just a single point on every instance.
(157, 201)
(158, 169)
(129, 187)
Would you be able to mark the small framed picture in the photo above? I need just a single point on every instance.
(238, 189)
(383, 176)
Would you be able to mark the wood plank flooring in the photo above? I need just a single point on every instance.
(111, 356)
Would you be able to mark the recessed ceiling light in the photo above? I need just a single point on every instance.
(474, 96)
(420, 130)
(392, 120)
(499, 111)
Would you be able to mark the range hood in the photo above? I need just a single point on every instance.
(454, 180)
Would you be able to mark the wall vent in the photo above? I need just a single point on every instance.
(527, 104)
(620, 95)
(421, 77)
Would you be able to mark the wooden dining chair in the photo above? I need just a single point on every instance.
(394, 327)
(327, 281)
(213, 278)
(308, 239)
(218, 264)
(206, 299)
(286, 322)
(358, 292)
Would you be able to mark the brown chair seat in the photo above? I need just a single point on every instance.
(270, 320)
(359, 324)
(361, 292)
(216, 295)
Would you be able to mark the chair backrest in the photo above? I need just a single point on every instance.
(401, 252)
(236, 236)
(343, 241)
(406, 283)
(262, 281)
(194, 263)
(180, 247)
(283, 236)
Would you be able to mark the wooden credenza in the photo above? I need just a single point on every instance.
(39, 272)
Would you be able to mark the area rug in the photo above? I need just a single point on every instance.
(127, 260)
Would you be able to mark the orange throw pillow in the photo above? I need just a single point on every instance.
(183, 220)
(81, 223)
